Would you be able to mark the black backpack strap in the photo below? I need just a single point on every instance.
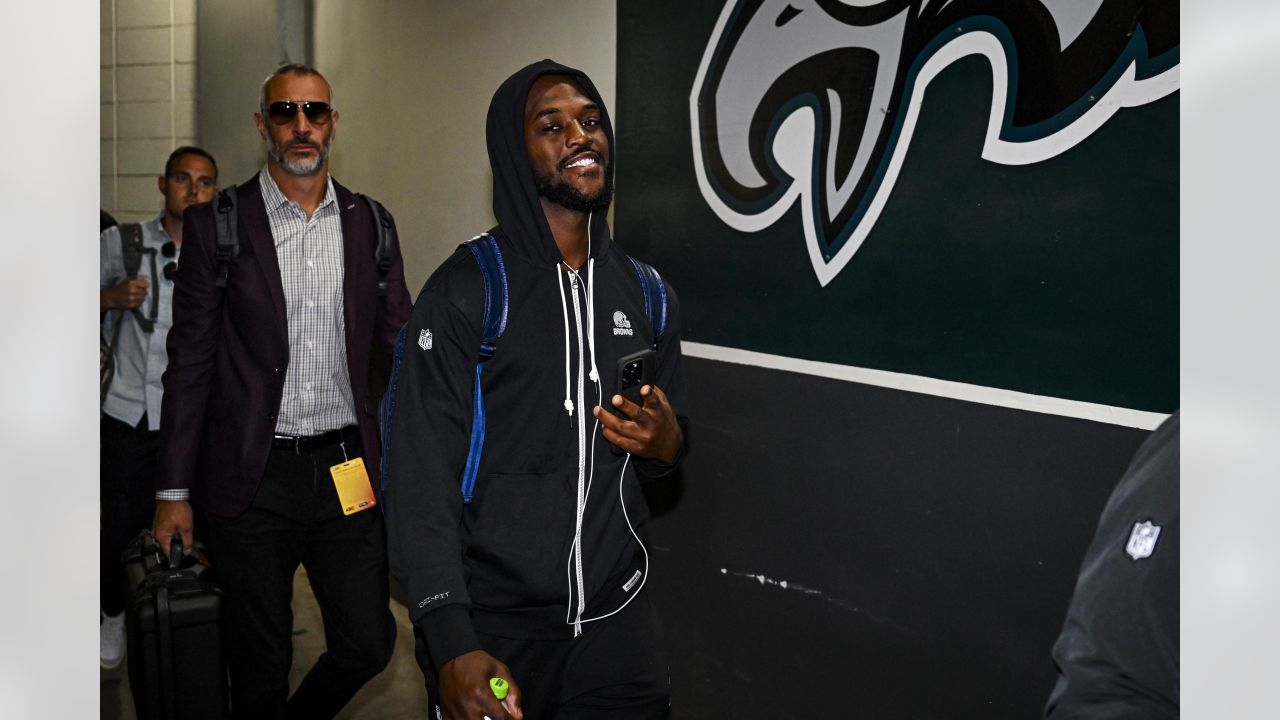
(654, 290)
(131, 248)
(131, 251)
(107, 363)
(226, 231)
(386, 239)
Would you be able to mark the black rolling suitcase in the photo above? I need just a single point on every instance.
(176, 663)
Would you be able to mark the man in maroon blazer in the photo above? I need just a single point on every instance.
(267, 425)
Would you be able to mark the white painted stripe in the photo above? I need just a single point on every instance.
(932, 386)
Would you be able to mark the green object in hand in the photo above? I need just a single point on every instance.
(499, 687)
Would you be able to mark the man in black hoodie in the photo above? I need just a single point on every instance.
(538, 578)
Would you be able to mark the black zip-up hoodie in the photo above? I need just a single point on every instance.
(506, 564)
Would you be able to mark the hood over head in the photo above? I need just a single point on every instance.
(516, 204)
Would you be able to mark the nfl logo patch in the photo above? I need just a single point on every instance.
(424, 339)
(1142, 541)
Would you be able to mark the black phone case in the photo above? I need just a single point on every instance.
(631, 390)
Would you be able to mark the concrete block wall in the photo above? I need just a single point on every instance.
(148, 95)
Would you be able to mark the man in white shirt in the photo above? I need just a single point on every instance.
(130, 425)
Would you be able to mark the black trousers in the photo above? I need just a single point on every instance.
(126, 476)
(616, 669)
(295, 518)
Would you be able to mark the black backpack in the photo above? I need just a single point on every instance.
(131, 250)
(227, 247)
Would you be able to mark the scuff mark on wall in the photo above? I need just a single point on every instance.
(788, 585)
(784, 584)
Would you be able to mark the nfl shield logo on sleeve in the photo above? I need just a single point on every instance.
(1142, 541)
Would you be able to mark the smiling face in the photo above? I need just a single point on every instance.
(299, 146)
(567, 146)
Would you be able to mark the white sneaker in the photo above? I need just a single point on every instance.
(112, 631)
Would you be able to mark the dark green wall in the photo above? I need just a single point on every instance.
(1058, 278)
(929, 546)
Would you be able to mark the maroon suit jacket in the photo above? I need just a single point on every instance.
(228, 350)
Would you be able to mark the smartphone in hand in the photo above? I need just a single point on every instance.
(634, 372)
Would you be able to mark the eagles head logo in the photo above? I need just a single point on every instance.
(815, 101)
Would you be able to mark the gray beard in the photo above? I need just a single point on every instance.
(299, 167)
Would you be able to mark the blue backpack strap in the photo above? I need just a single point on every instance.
(489, 257)
(387, 407)
(655, 297)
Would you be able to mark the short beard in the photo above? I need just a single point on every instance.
(298, 167)
(561, 193)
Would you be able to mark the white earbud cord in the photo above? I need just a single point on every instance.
(644, 577)
(564, 312)
(585, 493)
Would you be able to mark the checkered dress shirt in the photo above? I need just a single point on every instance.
(317, 386)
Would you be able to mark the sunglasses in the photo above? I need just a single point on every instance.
(283, 112)
(171, 268)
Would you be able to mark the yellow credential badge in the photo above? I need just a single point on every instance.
(354, 490)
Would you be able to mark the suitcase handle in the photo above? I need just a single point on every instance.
(175, 551)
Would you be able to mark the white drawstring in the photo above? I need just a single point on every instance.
(591, 312)
(564, 311)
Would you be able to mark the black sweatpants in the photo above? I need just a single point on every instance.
(296, 518)
(617, 669)
(126, 476)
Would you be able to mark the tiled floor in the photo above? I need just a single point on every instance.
(396, 694)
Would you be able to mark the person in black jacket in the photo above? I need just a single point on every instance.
(538, 580)
(1117, 655)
